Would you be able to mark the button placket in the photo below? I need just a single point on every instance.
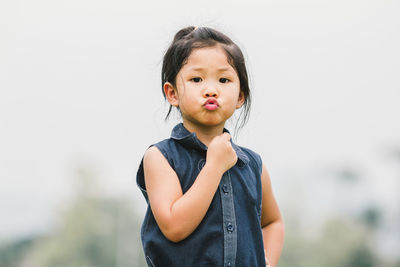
(229, 220)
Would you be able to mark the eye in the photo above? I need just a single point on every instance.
(196, 79)
(223, 80)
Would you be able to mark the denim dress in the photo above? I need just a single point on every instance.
(230, 232)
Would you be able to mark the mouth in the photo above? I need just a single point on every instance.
(211, 104)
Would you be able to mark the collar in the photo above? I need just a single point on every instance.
(190, 140)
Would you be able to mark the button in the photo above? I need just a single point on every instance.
(225, 188)
(229, 264)
(230, 227)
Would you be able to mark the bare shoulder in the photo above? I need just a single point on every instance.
(270, 211)
(152, 153)
(162, 184)
(155, 162)
(266, 182)
(157, 171)
(265, 173)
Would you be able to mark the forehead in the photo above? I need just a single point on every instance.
(208, 58)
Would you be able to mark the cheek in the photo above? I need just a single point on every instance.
(190, 92)
(236, 93)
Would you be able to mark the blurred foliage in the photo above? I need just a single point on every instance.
(339, 243)
(12, 253)
(371, 217)
(92, 230)
(98, 231)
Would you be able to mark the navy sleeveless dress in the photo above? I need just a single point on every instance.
(230, 233)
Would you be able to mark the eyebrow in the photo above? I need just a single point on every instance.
(201, 69)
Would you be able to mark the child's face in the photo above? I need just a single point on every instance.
(207, 88)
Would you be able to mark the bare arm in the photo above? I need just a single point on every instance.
(271, 221)
(178, 214)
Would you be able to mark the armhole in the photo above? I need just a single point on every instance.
(140, 173)
(260, 170)
(258, 165)
(140, 178)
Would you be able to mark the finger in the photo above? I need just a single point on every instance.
(226, 136)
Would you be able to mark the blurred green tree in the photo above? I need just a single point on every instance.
(339, 243)
(92, 231)
(11, 253)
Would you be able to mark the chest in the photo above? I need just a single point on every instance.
(242, 181)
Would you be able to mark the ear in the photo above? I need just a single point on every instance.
(171, 94)
(241, 100)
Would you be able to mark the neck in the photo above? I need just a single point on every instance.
(204, 133)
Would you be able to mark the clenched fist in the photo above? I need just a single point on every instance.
(220, 153)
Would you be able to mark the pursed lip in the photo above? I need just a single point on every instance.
(212, 101)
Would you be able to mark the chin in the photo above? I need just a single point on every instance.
(213, 123)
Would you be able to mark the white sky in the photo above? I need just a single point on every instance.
(80, 82)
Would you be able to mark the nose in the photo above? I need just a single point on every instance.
(211, 95)
(210, 91)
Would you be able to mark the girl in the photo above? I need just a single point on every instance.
(210, 200)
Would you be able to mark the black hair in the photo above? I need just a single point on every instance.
(190, 38)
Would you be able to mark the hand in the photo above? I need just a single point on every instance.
(221, 154)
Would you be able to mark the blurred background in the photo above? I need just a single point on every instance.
(80, 101)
